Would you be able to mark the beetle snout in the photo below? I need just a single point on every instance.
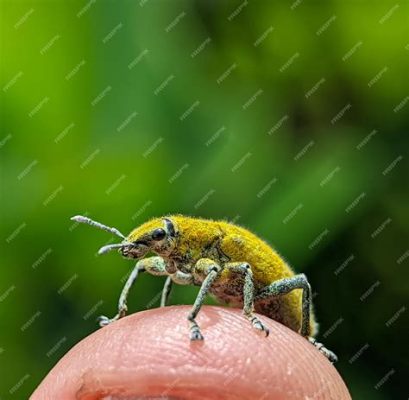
(136, 250)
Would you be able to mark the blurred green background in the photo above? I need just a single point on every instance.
(289, 118)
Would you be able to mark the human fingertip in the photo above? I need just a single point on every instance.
(151, 355)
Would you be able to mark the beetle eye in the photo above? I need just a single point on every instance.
(158, 234)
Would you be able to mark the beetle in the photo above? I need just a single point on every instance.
(225, 260)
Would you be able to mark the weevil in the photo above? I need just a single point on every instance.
(226, 261)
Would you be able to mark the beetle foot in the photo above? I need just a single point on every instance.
(327, 353)
(257, 324)
(195, 334)
(104, 321)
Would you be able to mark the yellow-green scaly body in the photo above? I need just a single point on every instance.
(224, 242)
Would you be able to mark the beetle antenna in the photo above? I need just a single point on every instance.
(89, 221)
(109, 247)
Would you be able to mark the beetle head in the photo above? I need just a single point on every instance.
(157, 235)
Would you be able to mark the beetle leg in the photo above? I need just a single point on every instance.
(327, 353)
(166, 291)
(152, 264)
(248, 293)
(210, 269)
(180, 278)
(286, 285)
(122, 308)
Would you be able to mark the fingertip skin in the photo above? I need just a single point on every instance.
(150, 354)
